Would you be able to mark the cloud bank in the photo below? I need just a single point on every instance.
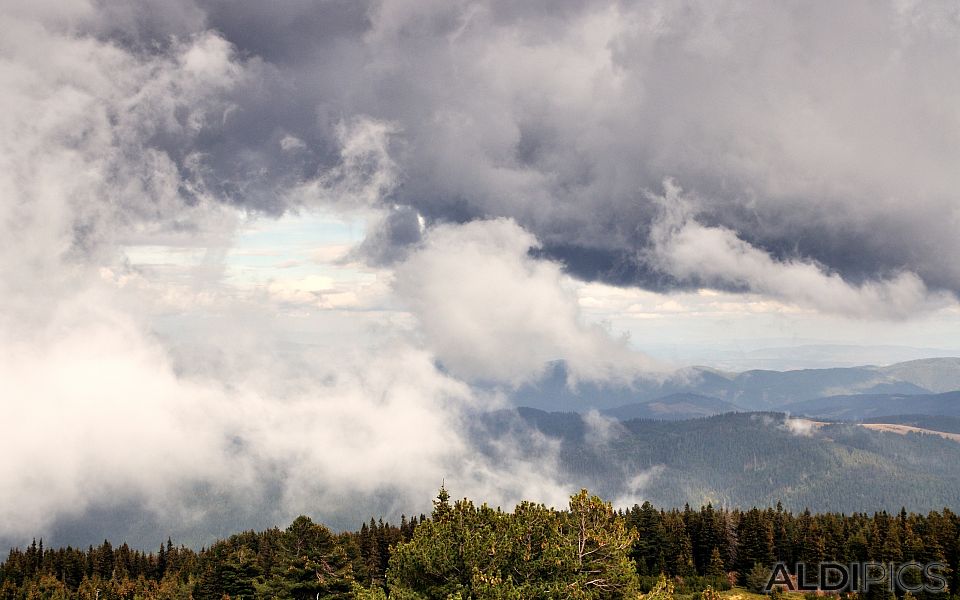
(804, 131)
(226, 424)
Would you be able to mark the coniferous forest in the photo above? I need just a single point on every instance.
(462, 550)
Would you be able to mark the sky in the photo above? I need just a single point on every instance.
(264, 259)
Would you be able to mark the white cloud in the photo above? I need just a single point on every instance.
(491, 312)
(366, 173)
(600, 430)
(324, 292)
(636, 486)
(800, 427)
(716, 256)
(291, 143)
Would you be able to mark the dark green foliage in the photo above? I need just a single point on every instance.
(309, 562)
(755, 534)
(648, 550)
(715, 568)
(227, 571)
(462, 550)
(757, 577)
(533, 552)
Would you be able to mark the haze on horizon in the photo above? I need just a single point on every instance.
(276, 252)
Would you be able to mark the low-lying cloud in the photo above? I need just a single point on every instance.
(491, 312)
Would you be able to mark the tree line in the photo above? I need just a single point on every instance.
(462, 550)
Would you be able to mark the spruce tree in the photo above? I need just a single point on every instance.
(310, 562)
(715, 569)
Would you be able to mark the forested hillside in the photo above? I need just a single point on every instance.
(742, 459)
(462, 550)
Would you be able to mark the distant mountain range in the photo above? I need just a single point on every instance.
(838, 439)
(838, 393)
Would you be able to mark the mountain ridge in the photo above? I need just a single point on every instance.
(755, 389)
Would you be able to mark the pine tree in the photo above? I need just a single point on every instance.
(680, 554)
(161, 562)
(647, 551)
(756, 541)
(757, 578)
(371, 553)
(715, 568)
(811, 548)
(601, 541)
(103, 560)
(441, 506)
(781, 536)
(311, 562)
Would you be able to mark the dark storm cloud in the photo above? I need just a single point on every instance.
(401, 228)
(290, 32)
(825, 134)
